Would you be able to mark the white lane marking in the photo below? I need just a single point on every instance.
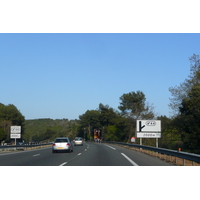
(110, 147)
(132, 162)
(79, 154)
(63, 164)
(85, 149)
(36, 155)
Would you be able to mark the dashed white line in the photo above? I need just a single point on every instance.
(63, 164)
(36, 155)
(79, 154)
(132, 162)
(110, 147)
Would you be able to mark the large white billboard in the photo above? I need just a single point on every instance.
(148, 125)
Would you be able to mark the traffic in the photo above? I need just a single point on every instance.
(65, 144)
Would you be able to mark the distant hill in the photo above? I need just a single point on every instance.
(37, 130)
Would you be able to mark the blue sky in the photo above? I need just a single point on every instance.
(64, 75)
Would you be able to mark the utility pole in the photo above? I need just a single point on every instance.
(89, 132)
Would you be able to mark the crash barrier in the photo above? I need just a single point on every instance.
(165, 152)
(23, 146)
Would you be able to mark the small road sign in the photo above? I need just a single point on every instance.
(15, 135)
(133, 139)
(148, 135)
(15, 129)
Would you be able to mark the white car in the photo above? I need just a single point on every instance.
(78, 141)
(62, 144)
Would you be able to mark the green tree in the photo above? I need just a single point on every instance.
(88, 122)
(185, 102)
(133, 106)
(178, 93)
(112, 123)
(107, 115)
(105, 118)
(112, 133)
(171, 137)
(189, 120)
(3, 134)
(10, 115)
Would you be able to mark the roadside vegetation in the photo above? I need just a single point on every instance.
(181, 130)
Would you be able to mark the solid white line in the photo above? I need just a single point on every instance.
(110, 147)
(36, 155)
(132, 162)
(63, 164)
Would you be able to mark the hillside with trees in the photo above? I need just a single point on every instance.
(47, 130)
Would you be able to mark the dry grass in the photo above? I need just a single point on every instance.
(23, 148)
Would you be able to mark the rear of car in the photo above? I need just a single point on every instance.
(78, 141)
(62, 144)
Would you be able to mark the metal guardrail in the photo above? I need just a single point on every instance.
(23, 146)
(180, 154)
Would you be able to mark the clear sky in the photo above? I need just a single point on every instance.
(64, 75)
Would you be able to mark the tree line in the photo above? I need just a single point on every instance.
(182, 130)
(9, 116)
(47, 130)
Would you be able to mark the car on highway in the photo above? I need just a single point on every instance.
(62, 144)
(78, 141)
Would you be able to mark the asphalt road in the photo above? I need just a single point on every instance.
(90, 154)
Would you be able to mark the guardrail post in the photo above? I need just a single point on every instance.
(193, 163)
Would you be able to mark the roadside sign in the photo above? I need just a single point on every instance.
(15, 135)
(15, 132)
(15, 129)
(133, 139)
(148, 125)
(148, 135)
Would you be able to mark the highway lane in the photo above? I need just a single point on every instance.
(90, 154)
(114, 155)
(39, 157)
(99, 155)
(139, 158)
